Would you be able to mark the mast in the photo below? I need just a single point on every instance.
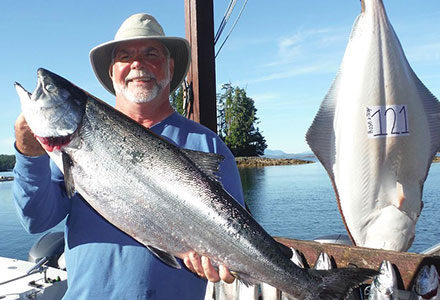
(199, 26)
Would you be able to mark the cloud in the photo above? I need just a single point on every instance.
(265, 97)
(309, 45)
(293, 71)
(424, 53)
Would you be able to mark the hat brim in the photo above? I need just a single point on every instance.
(101, 57)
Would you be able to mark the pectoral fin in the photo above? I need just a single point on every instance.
(68, 178)
(167, 258)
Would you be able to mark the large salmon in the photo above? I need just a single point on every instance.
(167, 198)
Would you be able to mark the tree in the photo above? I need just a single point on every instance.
(7, 162)
(176, 100)
(237, 122)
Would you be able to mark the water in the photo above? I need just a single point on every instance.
(289, 201)
(298, 202)
(15, 242)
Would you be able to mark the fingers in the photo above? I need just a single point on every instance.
(209, 270)
(193, 262)
(25, 141)
(225, 275)
(202, 266)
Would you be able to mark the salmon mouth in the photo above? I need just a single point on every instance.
(54, 143)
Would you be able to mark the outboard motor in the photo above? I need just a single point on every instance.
(51, 246)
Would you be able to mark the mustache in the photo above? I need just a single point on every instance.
(139, 74)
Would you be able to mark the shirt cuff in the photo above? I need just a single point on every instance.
(31, 167)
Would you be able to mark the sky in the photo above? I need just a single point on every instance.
(285, 54)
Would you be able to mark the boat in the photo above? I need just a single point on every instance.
(42, 277)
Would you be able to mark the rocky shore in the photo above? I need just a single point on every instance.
(249, 162)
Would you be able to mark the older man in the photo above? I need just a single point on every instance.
(140, 66)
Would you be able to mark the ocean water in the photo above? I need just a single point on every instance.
(299, 202)
(15, 242)
(289, 201)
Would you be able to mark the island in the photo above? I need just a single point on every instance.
(250, 162)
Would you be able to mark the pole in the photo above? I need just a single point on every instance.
(199, 25)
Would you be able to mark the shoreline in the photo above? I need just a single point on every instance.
(251, 162)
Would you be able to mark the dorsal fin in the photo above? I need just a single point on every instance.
(209, 163)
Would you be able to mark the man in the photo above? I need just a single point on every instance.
(141, 66)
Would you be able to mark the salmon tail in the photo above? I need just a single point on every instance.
(337, 283)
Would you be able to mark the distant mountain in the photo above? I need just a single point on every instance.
(275, 153)
(307, 155)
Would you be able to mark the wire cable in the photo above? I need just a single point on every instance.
(225, 19)
(233, 26)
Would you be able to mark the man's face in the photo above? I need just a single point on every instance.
(141, 70)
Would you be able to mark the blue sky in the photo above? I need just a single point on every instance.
(284, 53)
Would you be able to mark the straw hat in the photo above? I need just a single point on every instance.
(140, 27)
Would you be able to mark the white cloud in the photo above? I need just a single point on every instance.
(293, 71)
(308, 45)
(265, 97)
(424, 53)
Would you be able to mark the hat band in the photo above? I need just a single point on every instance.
(137, 32)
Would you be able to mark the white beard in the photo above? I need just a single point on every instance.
(139, 94)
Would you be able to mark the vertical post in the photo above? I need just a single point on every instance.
(199, 25)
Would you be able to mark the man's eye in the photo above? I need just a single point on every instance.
(124, 58)
(151, 53)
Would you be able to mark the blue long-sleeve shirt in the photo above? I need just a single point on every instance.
(103, 262)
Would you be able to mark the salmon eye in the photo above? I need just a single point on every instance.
(49, 87)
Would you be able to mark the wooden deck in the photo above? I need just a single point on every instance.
(407, 265)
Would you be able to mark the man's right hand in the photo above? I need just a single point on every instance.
(25, 141)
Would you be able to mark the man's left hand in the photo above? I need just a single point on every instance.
(201, 265)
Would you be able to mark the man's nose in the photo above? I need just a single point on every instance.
(136, 63)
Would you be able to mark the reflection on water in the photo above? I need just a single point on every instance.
(298, 202)
(292, 201)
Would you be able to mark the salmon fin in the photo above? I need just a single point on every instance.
(209, 163)
(244, 278)
(338, 283)
(68, 178)
(166, 258)
(287, 251)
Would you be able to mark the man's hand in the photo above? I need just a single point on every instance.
(25, 140)
(201, 265)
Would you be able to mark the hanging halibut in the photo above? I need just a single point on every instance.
(376, 133)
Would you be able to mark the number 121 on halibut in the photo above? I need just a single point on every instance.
(387, 121)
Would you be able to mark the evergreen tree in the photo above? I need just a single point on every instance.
(237, 122)
(7, 162)
(176, 100)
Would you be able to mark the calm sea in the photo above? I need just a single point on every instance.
(289, 201)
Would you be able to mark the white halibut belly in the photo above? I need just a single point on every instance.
(376, 134)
